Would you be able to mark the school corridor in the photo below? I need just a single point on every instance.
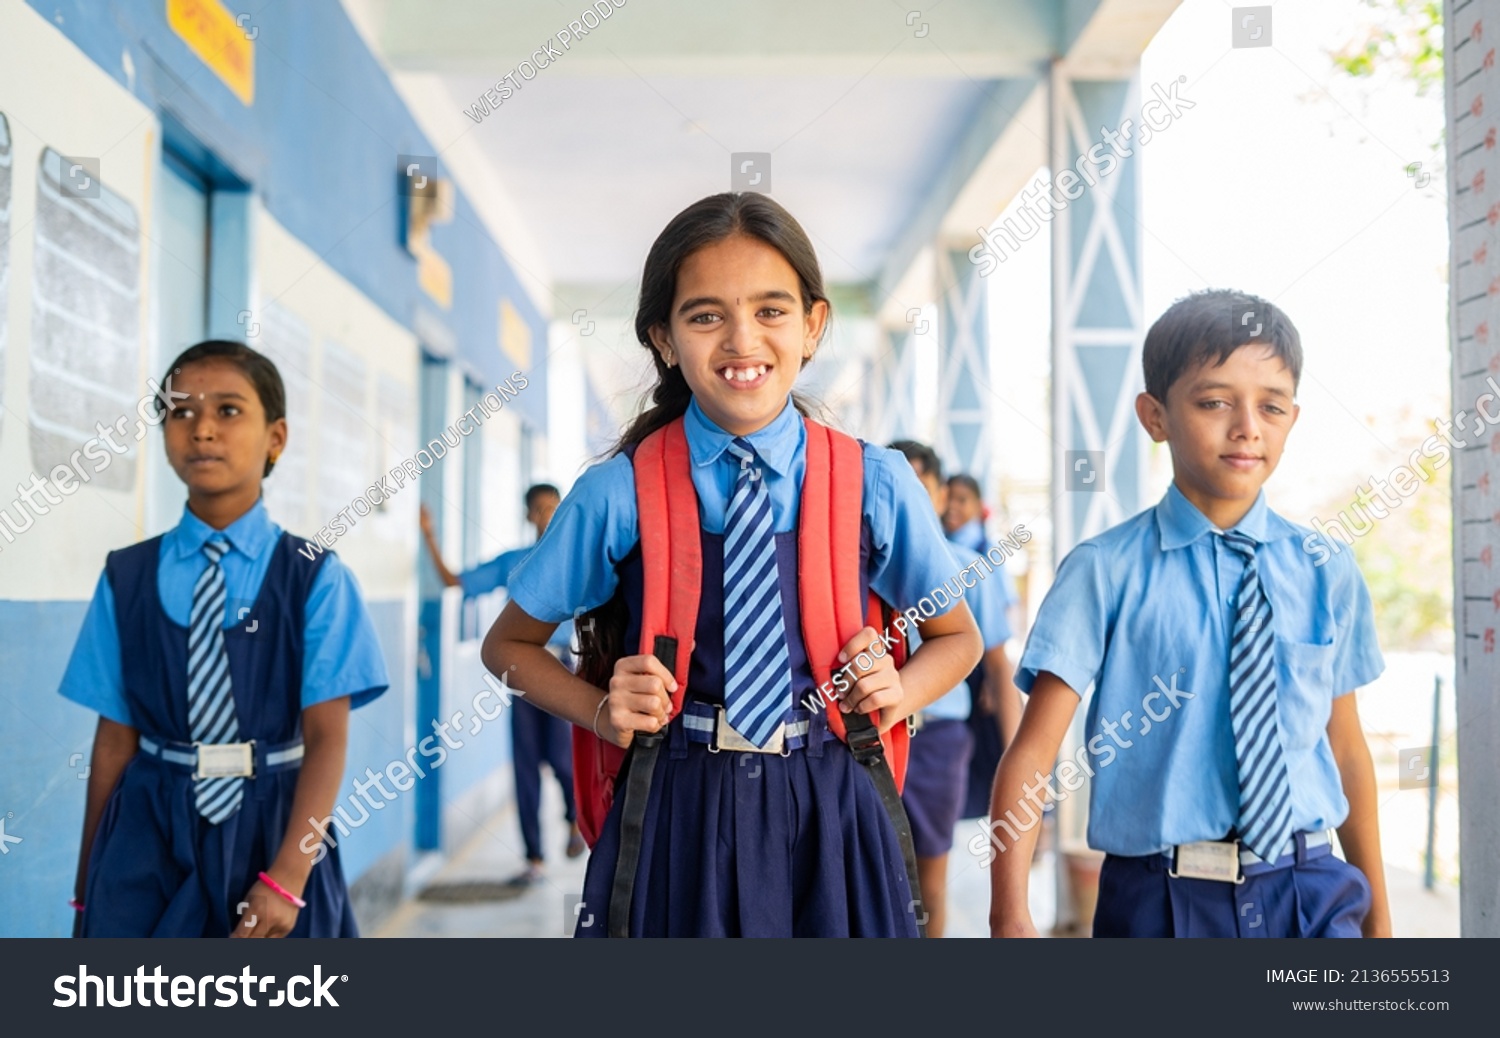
(432, 216)
(466, 895)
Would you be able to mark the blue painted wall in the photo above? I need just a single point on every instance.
(45, 742)
(44, 748)
(377, 737)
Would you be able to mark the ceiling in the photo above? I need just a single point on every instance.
(876, 115)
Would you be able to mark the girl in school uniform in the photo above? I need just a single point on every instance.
(223, 664)
(732, 306)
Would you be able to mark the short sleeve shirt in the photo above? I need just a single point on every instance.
(495, 574)
(572, 567)
(341, 653)
(1142, 615)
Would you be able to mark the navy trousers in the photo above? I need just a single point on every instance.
(538, 737)
(1312, 893)
(937, 775)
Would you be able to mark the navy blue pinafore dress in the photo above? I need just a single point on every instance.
(157, 868)
(753, 844)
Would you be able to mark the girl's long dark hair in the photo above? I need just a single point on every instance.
(601, 633)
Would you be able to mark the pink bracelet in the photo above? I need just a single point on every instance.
(283, 891)
(75, 904)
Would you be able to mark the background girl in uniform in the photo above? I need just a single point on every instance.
(219, 633)
(735, 844)
(996, 712)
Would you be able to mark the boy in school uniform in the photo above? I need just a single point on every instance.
(942, 745)
(537, 737)
(996, 710)
(1222, 738)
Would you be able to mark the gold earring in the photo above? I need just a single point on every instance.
(275, 457)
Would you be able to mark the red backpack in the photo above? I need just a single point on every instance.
(828, 539)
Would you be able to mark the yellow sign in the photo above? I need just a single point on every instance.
(224, 43)
(433, 273)
(515, 336)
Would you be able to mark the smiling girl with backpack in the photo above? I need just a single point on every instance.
(724, 555)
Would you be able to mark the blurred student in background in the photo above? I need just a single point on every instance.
(996, 712)
(537, 737)
(942, 745)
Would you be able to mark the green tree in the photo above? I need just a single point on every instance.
(1404, 37)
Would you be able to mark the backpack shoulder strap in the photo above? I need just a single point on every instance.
(672, 573)
(827, 547)
(671, 551)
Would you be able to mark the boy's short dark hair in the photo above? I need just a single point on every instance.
(256, 367)
(537, 490)
(1206, 327)
(968, 482)
(929, 464)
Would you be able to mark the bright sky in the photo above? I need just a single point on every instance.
(1288, 179)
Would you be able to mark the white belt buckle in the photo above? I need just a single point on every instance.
(1208, 859)
(225, 760)
(727, 738)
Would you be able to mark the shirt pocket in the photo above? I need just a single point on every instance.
(1304, 692)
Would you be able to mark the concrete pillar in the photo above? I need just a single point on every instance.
(892, 386)
(965, 430)
(1097, 320)
(1097, 328)
(1473, 96)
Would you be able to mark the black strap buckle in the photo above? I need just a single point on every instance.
(864, 739)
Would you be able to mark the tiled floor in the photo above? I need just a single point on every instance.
(492, 854)
(545, 910)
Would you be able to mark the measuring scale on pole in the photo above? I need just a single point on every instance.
(1472, 28)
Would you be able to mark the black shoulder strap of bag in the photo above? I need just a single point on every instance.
(864, 743)
(640, 766)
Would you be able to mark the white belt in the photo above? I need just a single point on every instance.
(221, 760)
(1225, 860)
(1313, 838)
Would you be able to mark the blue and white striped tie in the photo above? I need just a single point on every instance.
(1265, 822)
(757, 668)
(211, 715)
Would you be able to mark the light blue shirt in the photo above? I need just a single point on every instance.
(986, 602)
(495, 574)
(989, 612)
(1143, 614)
(596, 526)
(341, 655)
(972, 535)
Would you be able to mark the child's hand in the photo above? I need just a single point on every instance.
(266, 914)
(425, 518)
(639, 699)
(876, 687)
